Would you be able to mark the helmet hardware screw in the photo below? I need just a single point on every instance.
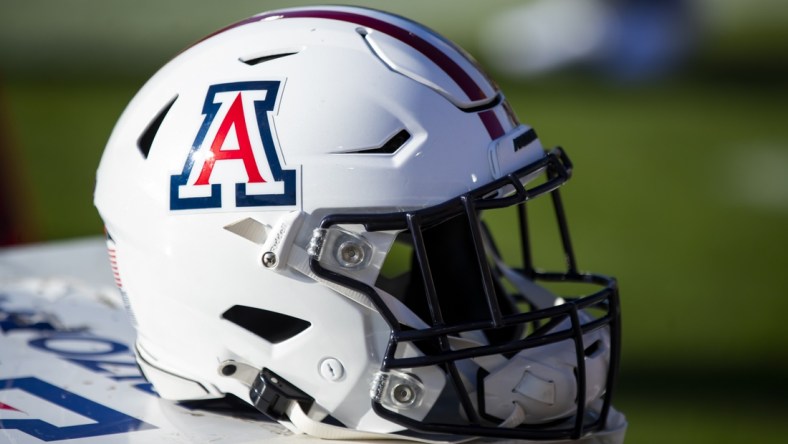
(350, 254)
(269, 259)
(331, 369)
(403, 394)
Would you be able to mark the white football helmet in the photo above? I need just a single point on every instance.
(301, 212)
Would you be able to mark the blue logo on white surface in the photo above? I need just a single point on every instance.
(102, 420)
(33, 406)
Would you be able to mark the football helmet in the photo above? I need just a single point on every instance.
(322, 212)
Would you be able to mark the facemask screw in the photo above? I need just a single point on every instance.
(350, 254)
(269, 259)
(403, 394)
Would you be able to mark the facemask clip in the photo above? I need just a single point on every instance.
(397, 390)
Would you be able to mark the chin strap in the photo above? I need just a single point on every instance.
(286, 404)
(515, 418)
(304, 424)
(613, 434)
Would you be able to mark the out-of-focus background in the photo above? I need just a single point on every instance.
(675, 113)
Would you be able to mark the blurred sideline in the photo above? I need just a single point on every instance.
(514, 37)
(598, 43)
(15, 224)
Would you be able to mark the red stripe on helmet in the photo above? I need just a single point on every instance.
(436, 55)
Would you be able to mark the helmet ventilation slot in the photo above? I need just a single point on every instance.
(592, 349)
(251, 61)
(524, 139)
(145, 141)
(272, 326)
(390, 147)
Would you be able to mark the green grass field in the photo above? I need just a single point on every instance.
(681, 191)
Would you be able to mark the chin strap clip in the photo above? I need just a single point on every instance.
(273, 395)
(268, 392)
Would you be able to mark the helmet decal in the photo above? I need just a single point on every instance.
(235, 147)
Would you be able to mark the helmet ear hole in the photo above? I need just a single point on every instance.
(272, 326)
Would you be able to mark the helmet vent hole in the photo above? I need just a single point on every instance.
(272, 326)
(591, 350)
(390, 147)
(145, 141)
(524, 139)
(266, 58)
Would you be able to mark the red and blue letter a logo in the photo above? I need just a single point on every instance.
(234, 162)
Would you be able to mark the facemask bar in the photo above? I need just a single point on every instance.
(557, 167)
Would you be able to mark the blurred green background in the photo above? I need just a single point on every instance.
(681, 185)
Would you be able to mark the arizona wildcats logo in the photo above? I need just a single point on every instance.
(234, 162)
